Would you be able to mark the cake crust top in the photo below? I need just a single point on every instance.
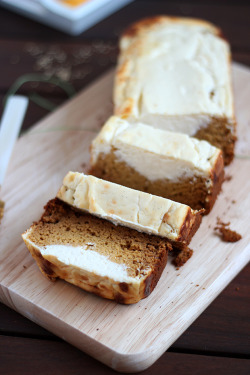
(149, 23)
(124, 206)
(173, 67)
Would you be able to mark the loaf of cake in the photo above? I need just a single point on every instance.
(168, 164)
(112, 261)
(175, 74)
(132, 208)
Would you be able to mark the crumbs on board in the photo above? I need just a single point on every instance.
(226, 233)
(1, 210)
(182, 257)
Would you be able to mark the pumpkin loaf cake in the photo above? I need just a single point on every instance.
(132, 208)
(175, 74)
(114, 262)
(108, 239)
(163, 163)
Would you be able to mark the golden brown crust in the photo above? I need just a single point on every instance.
(189, 228)
(127, 107)
(44, 265)
(154, 277)
(149, 22)
(217, 178)
(1, 210)
(124, 293)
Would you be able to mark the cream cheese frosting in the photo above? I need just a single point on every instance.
(173, 69)
(154, 153)
(124, 206)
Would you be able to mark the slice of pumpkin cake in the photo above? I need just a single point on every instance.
(135, 209)
(167, 164)
(114, 262)
(108, 239)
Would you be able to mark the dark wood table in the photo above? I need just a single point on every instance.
(218, 342)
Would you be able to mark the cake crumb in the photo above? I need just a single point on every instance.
(227, 234)
(83, 165)
(228, 178)
(182, 257)
(1, 209)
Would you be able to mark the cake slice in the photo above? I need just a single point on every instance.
(167, 164)
(108, 239)
(114, 262)
(175, 74)
(131, 208)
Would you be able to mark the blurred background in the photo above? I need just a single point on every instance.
(30, 47)
(31, 52)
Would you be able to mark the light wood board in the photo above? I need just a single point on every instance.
(127, 338)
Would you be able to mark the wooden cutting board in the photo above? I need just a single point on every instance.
(127, 338)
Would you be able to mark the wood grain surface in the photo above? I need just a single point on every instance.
(126, 338)
(221, 332)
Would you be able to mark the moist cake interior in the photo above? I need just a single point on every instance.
(61, 225)
(190, 191)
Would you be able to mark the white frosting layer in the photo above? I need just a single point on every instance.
(121, 205)
(88, 260)
(154, 153)
(174, 69)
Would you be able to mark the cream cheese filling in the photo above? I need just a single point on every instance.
(87, 260)
(187, 124)
(154, 153)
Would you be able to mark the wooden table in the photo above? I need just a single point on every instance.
(218, 340)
